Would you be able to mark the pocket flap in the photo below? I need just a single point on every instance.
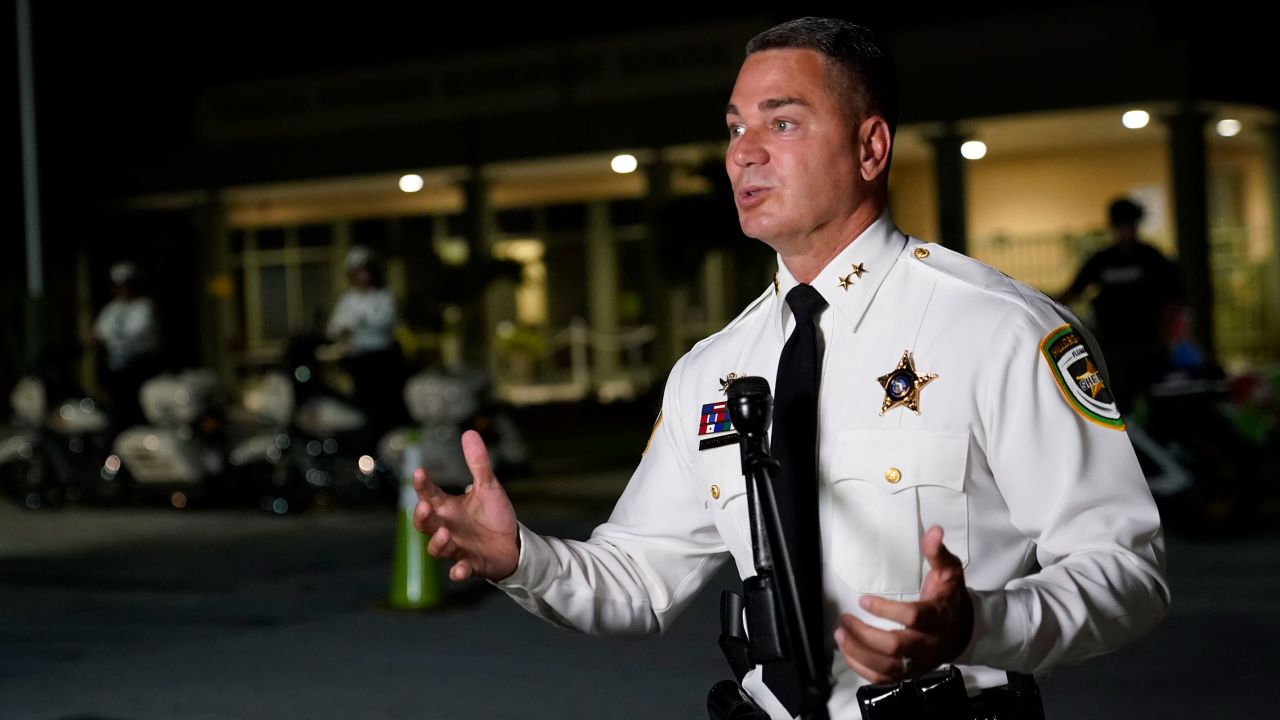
(897, 459)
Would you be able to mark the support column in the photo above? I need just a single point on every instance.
(602, 293)
(1271, 291)
(949, 171)
(215, 302)
(1191, 212)
(34, 314)
(667, 344)
(481, 315)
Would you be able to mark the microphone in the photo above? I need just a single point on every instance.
(750, 407)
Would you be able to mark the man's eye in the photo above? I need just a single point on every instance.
(783, 124)
(735, 130)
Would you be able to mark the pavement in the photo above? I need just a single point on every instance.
(152, 613)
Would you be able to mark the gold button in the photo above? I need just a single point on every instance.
(922, 253)
(893, 475)
(715, 492)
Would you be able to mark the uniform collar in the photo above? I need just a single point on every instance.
(874, 252)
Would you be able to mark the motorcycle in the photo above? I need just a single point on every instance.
(313, 446)
(444, 406)
(178, 454)
(53, 455)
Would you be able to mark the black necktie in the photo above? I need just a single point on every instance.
(795, 434)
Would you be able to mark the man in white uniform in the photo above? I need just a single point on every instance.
(126, 329)
(978, 498)
(365, 318)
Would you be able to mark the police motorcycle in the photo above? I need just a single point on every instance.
(178, 454)
(444, 405)
(55, 446)
(312, 446)
(1207, 466)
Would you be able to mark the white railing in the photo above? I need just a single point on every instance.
(524, 378)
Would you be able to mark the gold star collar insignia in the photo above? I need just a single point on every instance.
(902, 385)
(847, 280)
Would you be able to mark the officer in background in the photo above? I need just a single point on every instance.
(1135, 306)
(364, 321)
(126, 330)
(961, 488)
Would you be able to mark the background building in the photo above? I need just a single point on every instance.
(238, 160)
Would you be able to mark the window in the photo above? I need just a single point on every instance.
(286, 284)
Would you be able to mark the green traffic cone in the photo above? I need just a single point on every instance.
(414, 582)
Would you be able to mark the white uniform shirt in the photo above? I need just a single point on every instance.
(370, 317)
(127, 328)
(1017, 468)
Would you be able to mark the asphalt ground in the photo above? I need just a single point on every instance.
(133, 613)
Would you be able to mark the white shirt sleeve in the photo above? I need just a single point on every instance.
(1074, 488)
(342, 319)
(102, 326)
(640, 569)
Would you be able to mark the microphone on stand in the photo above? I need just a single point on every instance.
(775, 618)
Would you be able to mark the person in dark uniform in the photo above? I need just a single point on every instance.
(1138, 290)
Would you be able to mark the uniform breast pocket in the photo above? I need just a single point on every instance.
(724, 492)
(888, 487)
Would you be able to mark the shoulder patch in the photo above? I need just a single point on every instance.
(1078, 377)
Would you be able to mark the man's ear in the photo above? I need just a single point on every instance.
(874, 146)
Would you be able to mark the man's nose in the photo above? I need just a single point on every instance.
(747, 150)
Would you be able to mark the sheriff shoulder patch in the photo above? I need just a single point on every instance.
(1078, 377)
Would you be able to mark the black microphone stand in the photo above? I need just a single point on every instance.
(750, 408)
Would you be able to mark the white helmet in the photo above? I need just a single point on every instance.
(123, 272)
(357, 257)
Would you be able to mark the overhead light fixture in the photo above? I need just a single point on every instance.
(1136, 119)
(623, 164)
(411, 183)
(1229, 127)
(974, 150)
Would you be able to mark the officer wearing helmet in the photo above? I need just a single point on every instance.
(364, 320)
(126, 330)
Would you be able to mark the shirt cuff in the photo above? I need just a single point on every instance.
(534, 566)
(998, 631)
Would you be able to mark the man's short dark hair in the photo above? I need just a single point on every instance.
(861, 67)
(1125, 212)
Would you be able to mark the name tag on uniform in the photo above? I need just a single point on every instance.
(718, 441)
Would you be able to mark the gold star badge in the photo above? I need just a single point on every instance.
(726, 381)
(902, 385)
(858, 270)
(1091, 379)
